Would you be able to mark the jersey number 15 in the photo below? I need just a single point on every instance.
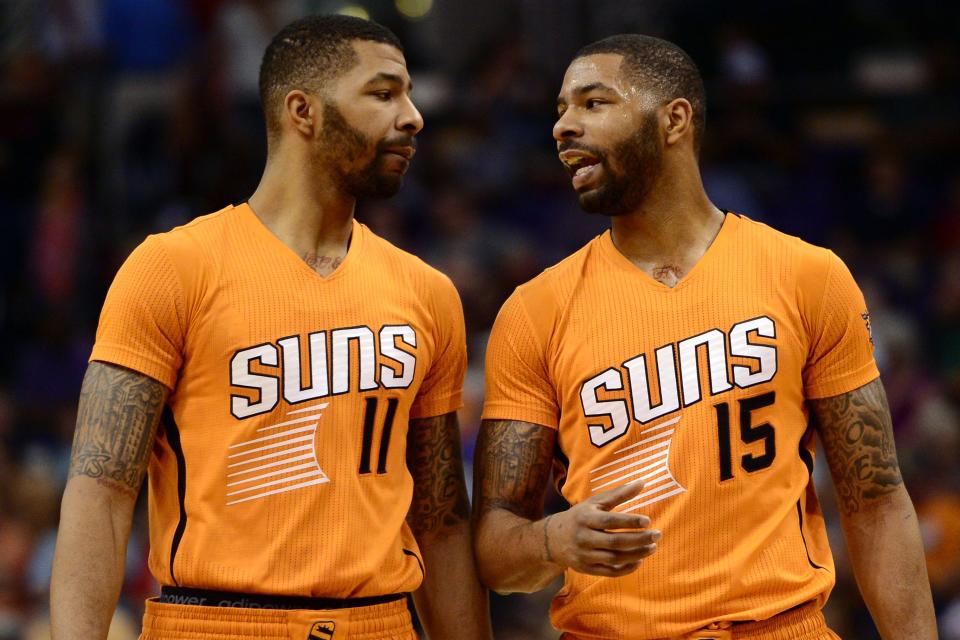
(749, 433)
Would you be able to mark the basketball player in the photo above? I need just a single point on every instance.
(305, 375)
(671, 370)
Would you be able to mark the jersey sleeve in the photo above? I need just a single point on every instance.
(442, 388)
(517, 382)
(141, 325)
(840, 356)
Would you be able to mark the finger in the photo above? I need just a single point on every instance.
(588, 539)
(608, 520)
(611, 558)
(627, 541)
(610, 498)
(636, 555)
(609, 571)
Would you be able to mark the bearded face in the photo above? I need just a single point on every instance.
(615, 180)
(366, 168)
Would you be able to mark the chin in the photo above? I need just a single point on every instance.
(385, 185)
(600, 202)
(388, 185)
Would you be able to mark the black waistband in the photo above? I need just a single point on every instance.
(209, 598)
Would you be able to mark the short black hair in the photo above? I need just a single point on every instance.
(660, 66)
(310, 52)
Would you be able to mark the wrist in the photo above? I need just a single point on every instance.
(548, 554)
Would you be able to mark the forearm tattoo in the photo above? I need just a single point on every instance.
(512, 467)
(116, 424)
(857, 437)
(439, 491)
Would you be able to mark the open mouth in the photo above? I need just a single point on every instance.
(583, 167)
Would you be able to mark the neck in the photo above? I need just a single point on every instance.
(304, 208)
(671, 230)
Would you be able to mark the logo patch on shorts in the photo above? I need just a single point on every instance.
(322, 630)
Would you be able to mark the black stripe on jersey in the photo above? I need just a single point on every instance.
(369, 416)
(385, 436)
(173, 437)
(560, 466)
(807, 459)
(408, 552)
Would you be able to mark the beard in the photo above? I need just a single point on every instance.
(625, 187)
(345, 146)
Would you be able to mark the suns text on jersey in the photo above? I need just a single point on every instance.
(599, 397)
(338, 361)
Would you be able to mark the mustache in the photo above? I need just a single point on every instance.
(399, 141)
(572, 145)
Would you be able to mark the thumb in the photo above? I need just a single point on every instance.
(610, 498)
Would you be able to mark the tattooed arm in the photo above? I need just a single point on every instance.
(877, 516)
(451, 602)
(519, 550)
(116, 425)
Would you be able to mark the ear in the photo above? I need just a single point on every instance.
(678, 114)
(301, 113)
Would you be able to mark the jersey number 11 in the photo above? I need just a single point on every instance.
(369, 416)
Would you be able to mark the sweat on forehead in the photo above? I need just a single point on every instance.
(658, 66)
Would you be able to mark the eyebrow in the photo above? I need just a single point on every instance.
(383, 76)
(586, 88)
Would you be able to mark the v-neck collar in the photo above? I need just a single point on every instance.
(609, 250)
(356, 244)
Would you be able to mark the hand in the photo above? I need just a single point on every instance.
(592, 539)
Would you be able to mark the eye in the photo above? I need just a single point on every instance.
(593, 102)
(382, 95)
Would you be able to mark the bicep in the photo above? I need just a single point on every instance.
(436, 464)
(857, 436)
(117, 422)
(512, 467)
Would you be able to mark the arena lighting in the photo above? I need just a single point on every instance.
(414, 9)
(354, 10)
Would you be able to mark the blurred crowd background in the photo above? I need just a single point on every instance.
(835, 121)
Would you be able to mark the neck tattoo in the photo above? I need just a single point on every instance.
(669, 274)
(324, 265)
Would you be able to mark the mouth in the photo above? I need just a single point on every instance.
(584, 168)
(404, 152)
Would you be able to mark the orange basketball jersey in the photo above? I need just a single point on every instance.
(699, 391)
(280, 467)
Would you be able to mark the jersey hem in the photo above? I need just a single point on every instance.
(510, 412)
(865, 374)
(437, 407)
(134, 361)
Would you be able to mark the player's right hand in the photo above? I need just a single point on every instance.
(592, 539)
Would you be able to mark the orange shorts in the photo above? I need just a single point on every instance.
(388, 621)
(800, 623)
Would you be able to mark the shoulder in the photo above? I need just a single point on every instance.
(178, 260)
(810, 270)
(539, 304)
(198, 235)
(403, 265)
(784, 256)
(550, 291)
(770, 240)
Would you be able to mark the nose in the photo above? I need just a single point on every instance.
(567, 127)
(410, 120)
